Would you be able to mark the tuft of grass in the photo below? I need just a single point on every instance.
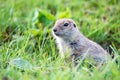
(28, 50)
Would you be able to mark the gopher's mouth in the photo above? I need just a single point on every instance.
(57, 34)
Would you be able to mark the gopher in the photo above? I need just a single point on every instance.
(72, 42)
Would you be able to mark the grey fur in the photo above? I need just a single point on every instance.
(70, 41)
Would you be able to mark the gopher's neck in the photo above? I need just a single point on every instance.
(75, 38)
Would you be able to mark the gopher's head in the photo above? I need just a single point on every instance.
(64, 28)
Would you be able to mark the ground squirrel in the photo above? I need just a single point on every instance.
(70, 41)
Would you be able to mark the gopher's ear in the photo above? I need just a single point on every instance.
(74, 25)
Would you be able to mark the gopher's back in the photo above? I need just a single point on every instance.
(82, 46)
(97, 52)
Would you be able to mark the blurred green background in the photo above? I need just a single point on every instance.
(28, 50)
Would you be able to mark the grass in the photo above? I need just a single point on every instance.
(27, 48)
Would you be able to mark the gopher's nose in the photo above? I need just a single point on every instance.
(55, 30)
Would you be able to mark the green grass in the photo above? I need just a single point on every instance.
(28, 50)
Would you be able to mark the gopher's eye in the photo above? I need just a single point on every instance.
(66, 24)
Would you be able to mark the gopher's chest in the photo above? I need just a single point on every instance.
(66, 49)
(70, 48)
